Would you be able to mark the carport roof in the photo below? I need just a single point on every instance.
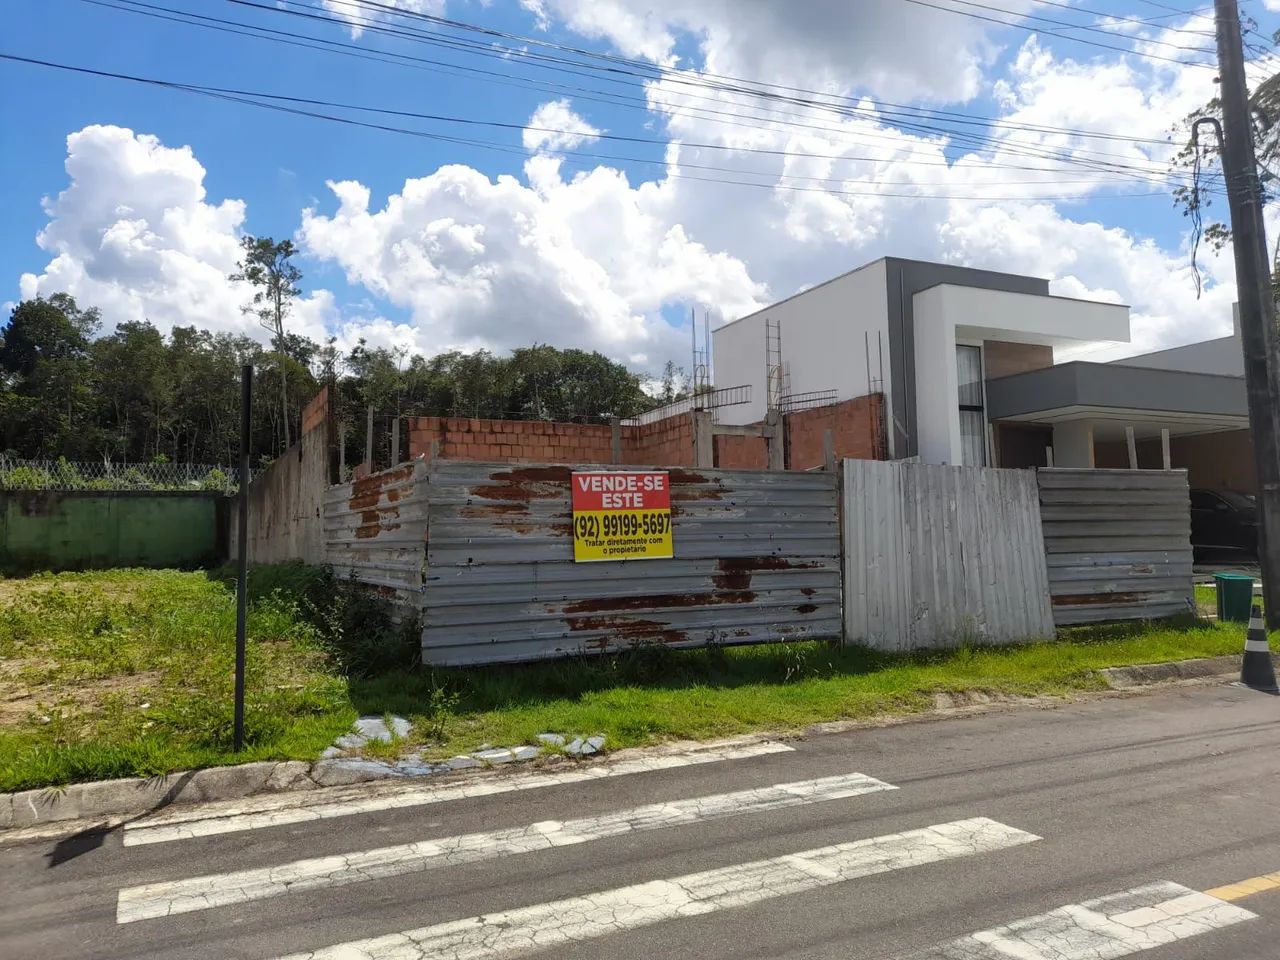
(1081, 390)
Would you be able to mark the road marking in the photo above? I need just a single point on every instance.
(1246, 888)
(626, 908)
(273, 811)
(218, 890)
(1116, 925)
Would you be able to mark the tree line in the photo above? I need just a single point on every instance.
(67, 389)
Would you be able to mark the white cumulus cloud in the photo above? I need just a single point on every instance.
(136, 235)
(555, 126)
(589, 261)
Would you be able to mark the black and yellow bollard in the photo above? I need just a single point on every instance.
(1257, 672)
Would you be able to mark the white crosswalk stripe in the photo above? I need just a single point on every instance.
(217, 890)
(261, 812)
(613, 911)
(1113, 926)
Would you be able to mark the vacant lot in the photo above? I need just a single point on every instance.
(130, 672)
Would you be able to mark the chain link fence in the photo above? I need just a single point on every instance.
(61, 474)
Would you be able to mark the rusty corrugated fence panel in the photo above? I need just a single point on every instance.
(375, 531)
(1118, 543)
(939, 556)
(757, 559)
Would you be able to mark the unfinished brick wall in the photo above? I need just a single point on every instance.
(316, 410)
(856, 426)
(666, 443)
(742, 453)
(857, 432)
(509, 441)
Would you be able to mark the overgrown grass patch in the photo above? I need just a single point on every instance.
(653, 694)
(124, 673)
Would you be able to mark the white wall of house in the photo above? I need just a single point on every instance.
(947, 314)
(1222, 356)
(1073, 444)
(825, 331)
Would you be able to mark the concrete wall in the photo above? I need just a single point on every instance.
(950, 313)
(1222, 356)
(1073, 446)
(904, 279)
(825, 332)
(82, 529)
(286, 504)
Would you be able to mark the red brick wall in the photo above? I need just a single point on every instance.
(742, 453)
(856, 425)
(857, 432)
(510, 441)
(666, 443)
(316, 410)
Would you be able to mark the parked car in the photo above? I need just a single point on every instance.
(1224, 520)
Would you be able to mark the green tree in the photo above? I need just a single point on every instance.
(44, 365)
(268, 266)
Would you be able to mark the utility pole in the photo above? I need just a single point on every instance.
(1253, 283)
(242, 553)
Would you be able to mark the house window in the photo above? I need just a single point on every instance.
(973, 419)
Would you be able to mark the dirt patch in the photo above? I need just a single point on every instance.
(19, 699)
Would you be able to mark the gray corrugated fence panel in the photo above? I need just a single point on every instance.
(757, 559)
(375, 531)
(936, 556)
(1117, 543)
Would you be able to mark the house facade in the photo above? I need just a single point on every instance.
(965, 361)
(930, 337)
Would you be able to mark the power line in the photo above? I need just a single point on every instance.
(1074, 26)
(1178, 10)
(698, 80)
(647, 70)
(1092, 43)
(1148, 21)
(247, 98)
(876, 113)
(1008, 146)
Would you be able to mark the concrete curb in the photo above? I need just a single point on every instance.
(117, 800)
(108, 803)
(1144, 674)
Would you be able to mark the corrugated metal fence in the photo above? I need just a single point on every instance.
(938, 556)
(375, 530)
(757, 559)
(1118, 543)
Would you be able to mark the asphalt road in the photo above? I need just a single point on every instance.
(1084, 831)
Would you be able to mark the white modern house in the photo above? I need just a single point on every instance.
(929, 336)
(965, 361)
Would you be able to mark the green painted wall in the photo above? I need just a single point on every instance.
(79, 530)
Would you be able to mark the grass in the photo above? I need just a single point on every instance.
(129, 672)
(1207, 599)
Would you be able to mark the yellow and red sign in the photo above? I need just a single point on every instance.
(621, 515)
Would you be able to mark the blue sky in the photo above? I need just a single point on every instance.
(751, 245)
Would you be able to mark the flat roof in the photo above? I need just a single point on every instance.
(872, 263)
(1081, 384)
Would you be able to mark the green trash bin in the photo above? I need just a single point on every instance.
(1235, 596)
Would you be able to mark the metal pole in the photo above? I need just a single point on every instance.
(242, 552)
(1253, 283)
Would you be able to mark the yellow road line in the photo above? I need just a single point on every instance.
(1246, 888)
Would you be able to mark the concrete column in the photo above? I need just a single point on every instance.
(704, 440)
(1073, 444)
(776, 424)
